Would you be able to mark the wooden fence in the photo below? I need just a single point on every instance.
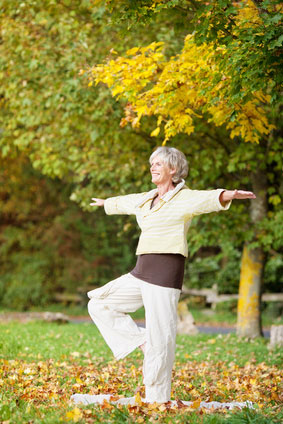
(210, 296)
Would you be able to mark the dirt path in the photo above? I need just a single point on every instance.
(210, 328)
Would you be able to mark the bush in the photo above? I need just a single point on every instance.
(273, 309)
(227, 306)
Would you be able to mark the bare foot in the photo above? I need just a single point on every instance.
(142, 347)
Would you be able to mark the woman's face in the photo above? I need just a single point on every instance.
(160, 172)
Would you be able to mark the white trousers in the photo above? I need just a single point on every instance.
(108, 308)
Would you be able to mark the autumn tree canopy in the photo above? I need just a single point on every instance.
(209, 69)
(228, 70)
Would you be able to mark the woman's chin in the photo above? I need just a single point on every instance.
(154, 181)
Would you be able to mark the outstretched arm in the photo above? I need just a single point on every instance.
(228, 195)
(119, 205)
(97, 202)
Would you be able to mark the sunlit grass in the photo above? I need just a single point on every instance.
(60, 357)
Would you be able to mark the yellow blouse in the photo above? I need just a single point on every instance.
(164, 227)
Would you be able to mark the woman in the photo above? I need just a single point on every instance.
(164, 216)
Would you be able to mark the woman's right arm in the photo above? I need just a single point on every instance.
(97, 202)
(120, 205)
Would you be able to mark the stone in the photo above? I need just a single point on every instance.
(276, 336)
(55, 317)
(185, 322)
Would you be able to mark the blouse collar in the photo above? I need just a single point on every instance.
(166, 197)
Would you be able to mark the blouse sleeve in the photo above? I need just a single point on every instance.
(122, 205)
(204, 201)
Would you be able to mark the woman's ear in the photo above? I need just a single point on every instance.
(172, 171)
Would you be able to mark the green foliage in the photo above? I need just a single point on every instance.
(250, 30)
(273, 273)
(48, 244)
(227, 306)
(24, 282)
(142, 11)
(252, 33)
(209, 267)
(71, 133)
(47, 110)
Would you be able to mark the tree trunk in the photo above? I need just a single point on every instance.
(252, 265)
(249, 322)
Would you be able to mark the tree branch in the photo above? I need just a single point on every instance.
(219, 142)
(143, 134)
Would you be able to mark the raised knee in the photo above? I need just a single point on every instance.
(93, 306)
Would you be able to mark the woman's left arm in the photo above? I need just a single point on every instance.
(228, 195)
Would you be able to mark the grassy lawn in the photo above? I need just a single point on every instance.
(42, 364)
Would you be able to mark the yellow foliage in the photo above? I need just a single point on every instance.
(196, 404)
(138, 399)
(247, 13)
(181, 89)
(155, 132)
(74, 415)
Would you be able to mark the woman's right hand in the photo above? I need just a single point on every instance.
(97, 202)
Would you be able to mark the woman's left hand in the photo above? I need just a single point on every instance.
(228, 195)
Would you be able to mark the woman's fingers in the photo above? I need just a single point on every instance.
(97, 202)
(242, 194)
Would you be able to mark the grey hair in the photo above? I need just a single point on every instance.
(174, 159)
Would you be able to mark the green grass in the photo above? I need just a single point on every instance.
(54, 341)
(60, 340)
(63, 353)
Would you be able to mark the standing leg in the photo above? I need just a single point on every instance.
(108, 308)
(161, 325)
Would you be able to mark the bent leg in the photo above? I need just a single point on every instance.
(161, 325)
(108, 308)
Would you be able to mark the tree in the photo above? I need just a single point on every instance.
(47, 112)
(51, 122)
